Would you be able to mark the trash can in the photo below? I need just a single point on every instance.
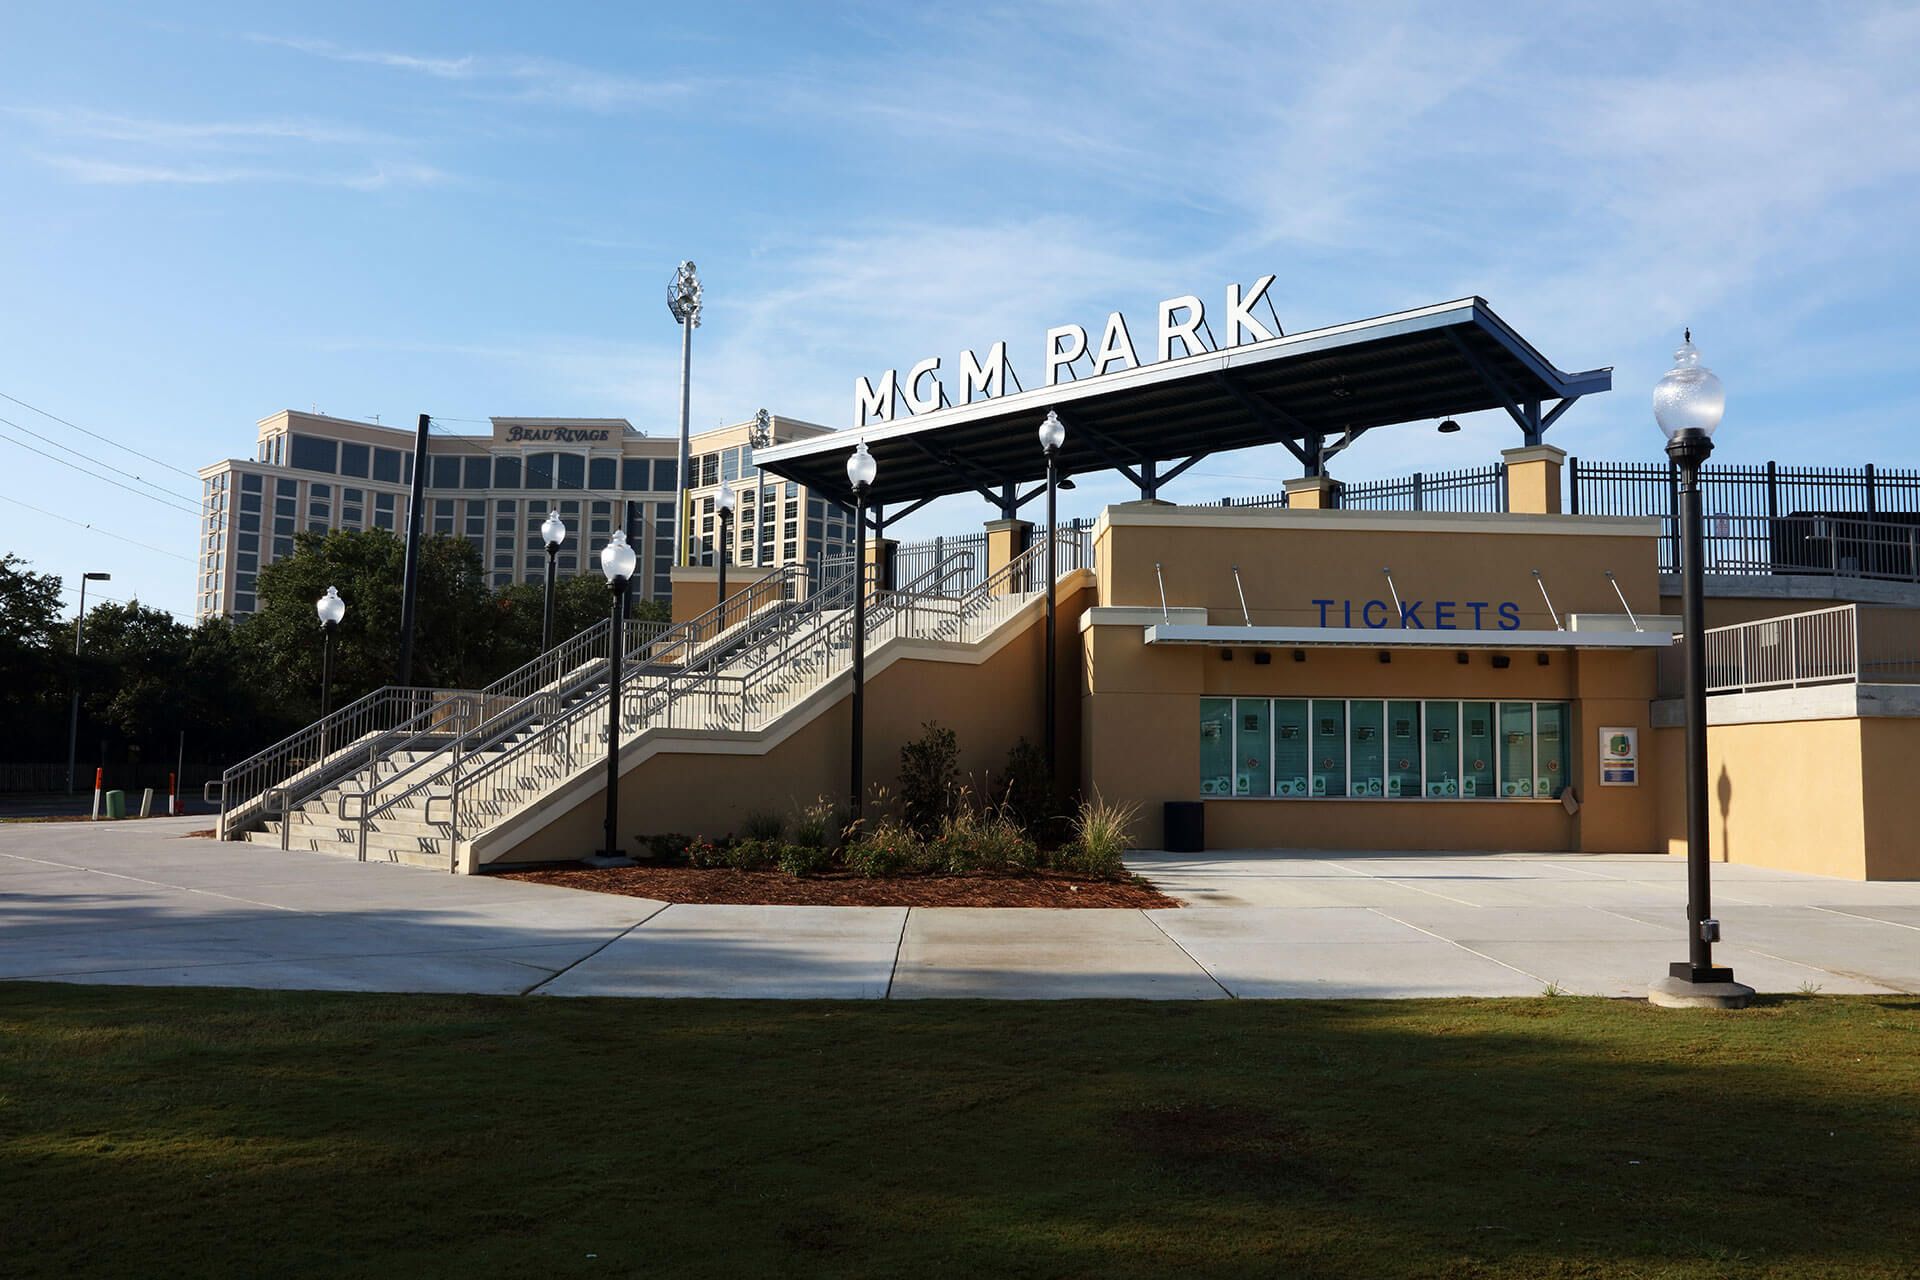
(116, 804)
(1186, 826)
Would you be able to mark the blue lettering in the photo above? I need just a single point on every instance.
(1476, 606)
(1347, 619)
(1410, 616)
(1323, 610)
(1509, 616)
(1443, 615)
(1366, 613)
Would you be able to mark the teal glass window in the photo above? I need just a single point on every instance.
(1443, 750)
(1253, 747)
(1402, 744)
(1216, 746)
(1292, 747)
(1516, 749)
(1552, 742)
(1479, 771)
(1366, 728)
(1329, 777)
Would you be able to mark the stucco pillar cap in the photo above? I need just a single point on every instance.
(1534, 453)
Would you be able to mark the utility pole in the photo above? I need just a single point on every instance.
(73, 722)
(410, 583)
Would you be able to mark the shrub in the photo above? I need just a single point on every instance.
(669, 849)
(928, 775)
(753, 855)
(970, 841)
(764, 825)
(1099, 839)
(1025, 794)
(706, 854)
(805, 860)
(885, 849)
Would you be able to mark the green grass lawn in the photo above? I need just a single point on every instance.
(148, 1132)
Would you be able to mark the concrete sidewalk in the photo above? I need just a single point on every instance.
(137, 903)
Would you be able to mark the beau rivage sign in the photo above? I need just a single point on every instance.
(1178, 320)
(517, 434)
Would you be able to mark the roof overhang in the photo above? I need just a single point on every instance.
(1447, 359)
(1398, 638)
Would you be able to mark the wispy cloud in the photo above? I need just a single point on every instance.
(517, 78)
(101, 126)
(117, 173)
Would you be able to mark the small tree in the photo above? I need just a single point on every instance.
(929, 778)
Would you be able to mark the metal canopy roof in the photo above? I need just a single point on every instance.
(1313, 392)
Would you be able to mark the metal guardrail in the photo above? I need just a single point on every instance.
(1844, 644)
(1828, 546)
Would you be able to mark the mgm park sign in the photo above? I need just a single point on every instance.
(1178, 320)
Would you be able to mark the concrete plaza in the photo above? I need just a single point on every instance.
(139, 903)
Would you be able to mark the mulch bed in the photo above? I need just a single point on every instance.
(844, 889)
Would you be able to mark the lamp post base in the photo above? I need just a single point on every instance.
(603, 860)
(1682, 993)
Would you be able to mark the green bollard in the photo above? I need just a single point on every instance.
(116, 804)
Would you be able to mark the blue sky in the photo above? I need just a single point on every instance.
(473, 209)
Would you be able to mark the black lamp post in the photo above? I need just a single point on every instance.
(331, 609)
(1688, 403)
(861, 469)
(553, 530)
(725, 501)
(1053, 434)
(617, 561)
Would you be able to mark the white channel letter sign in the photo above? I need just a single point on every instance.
(1177, 332)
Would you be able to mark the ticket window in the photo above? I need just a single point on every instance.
(1366, 761)
(1329, 776)
(1443, 749)
(1403, 748)
(1551, 742)
(1253, 747)
(1216, 746)
(1479, 770)
(1292, 756)
(1516, 749)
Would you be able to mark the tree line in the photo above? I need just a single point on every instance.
(237, 685)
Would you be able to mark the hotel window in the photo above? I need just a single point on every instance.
(445, 473)
(477, 473)
(249, 484)
(311, 453)
(386, 465)
(633, 474)
(600, 473)
(573, 472)
(353, 458)
(539, 471)
(1395, 748)
(666, 474)
(506, 472)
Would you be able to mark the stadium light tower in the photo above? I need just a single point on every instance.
(683, 301)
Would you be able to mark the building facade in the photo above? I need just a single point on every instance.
(313, 473)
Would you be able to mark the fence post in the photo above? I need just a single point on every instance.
(1873, 505)
(1673, 512)
(1573, 486)
(1773, 493)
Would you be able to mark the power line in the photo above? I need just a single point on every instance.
(108, 465)
(97, 436)
(78, 524)
(192, 511)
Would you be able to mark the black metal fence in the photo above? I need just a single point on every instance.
(1762, 518)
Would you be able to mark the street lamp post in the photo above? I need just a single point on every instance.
(725, 501)
(760, 436)
(1688, 403)
(553, 530)
(73, 720)
(1053, 434)
(616, 561)
(861, 469)
(331, 608)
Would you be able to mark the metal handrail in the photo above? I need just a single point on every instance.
(815, 645)
(243, 783)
